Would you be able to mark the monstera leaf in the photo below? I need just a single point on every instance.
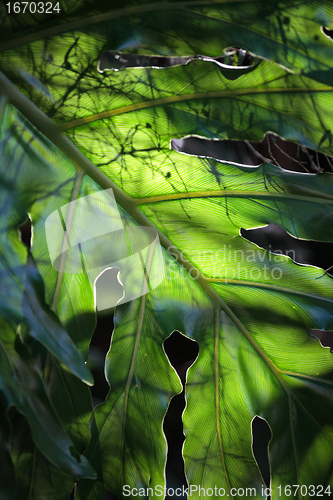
(90, 151)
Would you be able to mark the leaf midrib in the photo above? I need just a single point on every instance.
(186, 97)
(217, 392)
(317, 197)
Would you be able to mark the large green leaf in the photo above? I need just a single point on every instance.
(249, 310)
(287, 32)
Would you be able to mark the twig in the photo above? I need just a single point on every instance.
(291, 158)
(260, 156)
(312, 163)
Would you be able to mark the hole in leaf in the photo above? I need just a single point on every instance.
(232, 65)
(272, 149)
(276, 240)
(324, 337)
(181, 352)
(327, 32)
(108, 290)
(113, 60)
(99, 346)
(25, 232)
(224, 150)
(261, 436)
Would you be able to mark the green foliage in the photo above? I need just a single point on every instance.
(68, 131)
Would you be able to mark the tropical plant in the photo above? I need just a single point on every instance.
(85, 109)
